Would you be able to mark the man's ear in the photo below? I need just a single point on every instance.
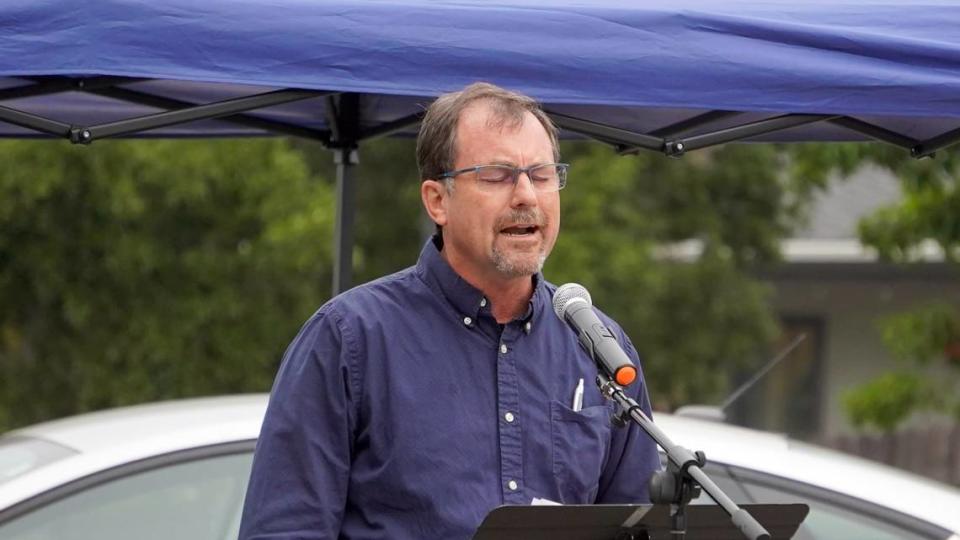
(434, 194)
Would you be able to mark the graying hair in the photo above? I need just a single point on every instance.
(437, 142)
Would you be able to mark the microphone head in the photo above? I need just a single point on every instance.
(567, 294)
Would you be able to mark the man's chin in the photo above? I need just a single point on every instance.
(516, 265)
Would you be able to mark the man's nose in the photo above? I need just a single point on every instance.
(524, 194)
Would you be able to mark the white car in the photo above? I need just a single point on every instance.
(179, 470)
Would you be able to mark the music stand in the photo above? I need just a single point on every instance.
(631, 521)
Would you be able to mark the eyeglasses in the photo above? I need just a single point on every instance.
(544, 178)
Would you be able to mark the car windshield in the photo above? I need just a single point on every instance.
(196, 499)
(832, 515)
(20, 455)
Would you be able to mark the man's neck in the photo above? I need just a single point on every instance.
(509, 300)
(508, 296)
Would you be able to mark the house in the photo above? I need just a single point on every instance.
(833, 289)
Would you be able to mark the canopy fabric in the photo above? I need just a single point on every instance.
(639, 66)
(668, 76)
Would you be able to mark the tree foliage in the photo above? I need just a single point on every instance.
(926, 340)
(928, 211)
(887, 400)
(696, 321)
(390, 226)
(140, 270)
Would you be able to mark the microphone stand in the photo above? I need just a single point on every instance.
(684, 476)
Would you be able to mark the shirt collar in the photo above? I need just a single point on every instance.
(465, 298)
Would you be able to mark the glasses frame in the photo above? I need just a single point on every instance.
(562, 169)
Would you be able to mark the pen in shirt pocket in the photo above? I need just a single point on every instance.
(578, 396)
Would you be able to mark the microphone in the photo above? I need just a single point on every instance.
(572, 303)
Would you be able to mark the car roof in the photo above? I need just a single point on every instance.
(185, 423)
(109, 438)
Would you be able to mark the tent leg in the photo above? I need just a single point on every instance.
(346, 160)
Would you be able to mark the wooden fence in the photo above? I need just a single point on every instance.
(933, 452)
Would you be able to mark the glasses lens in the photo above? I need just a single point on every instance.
(549, 177)
(495, 175)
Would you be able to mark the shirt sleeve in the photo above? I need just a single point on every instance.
(301, 467)
(633, 454)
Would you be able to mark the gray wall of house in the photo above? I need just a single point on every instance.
(852, 351)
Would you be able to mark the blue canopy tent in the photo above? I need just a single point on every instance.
(664, 76)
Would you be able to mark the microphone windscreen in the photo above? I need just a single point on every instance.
(567, 292)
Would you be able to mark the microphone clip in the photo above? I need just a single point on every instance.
(608, 389)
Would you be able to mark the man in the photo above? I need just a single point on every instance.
(409, 407)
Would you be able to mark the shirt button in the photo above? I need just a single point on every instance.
(512, 485)
(483, 302)
(467, 321)
(503, 348)
(508, 417)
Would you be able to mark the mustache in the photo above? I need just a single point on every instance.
(528, 215)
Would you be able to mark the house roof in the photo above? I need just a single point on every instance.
(827, 245)
(834, 213)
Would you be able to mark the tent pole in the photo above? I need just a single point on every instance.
(346, 160)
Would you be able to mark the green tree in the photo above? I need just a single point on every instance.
(389, 222)
(928, 211)
(924, 341)
(921, 341)
(140, 270)
(133, 271)
(696, 321)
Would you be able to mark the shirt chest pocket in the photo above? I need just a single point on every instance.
(581, 443)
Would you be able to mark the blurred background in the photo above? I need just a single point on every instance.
(142, 270)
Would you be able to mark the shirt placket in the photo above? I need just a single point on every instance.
(510, 419)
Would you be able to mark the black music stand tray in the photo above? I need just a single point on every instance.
(631, 521)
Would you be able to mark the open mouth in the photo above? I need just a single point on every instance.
(520, 230)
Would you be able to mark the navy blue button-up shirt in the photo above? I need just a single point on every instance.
(402, 410)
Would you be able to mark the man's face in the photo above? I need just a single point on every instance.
(508, 233)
